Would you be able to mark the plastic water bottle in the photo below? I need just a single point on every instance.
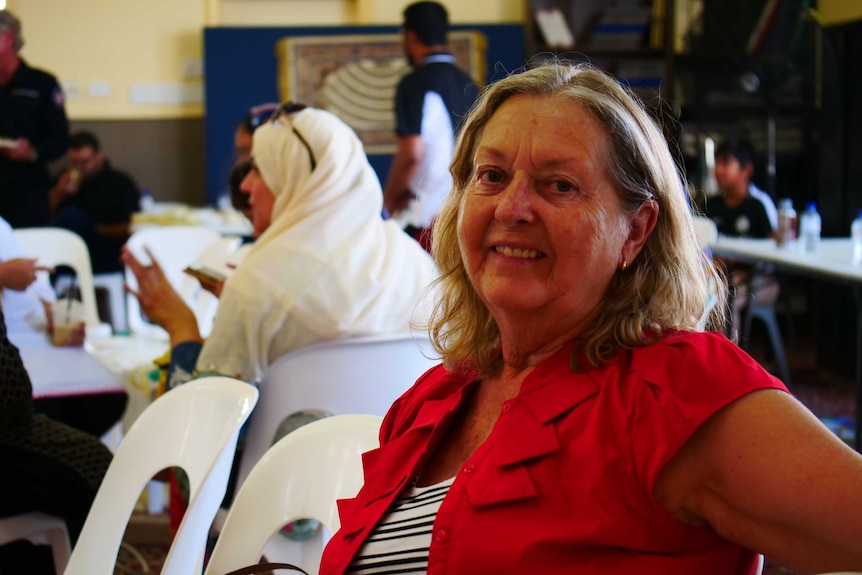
(786, 224)
(809, 229)
(147, 201)
(856, 236)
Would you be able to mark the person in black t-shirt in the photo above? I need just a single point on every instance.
(95, 201)
(737, 213)
(34, 131)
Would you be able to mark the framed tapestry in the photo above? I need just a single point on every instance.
(354, 77)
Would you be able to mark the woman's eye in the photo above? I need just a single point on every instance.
(561, 186)
(490, 176)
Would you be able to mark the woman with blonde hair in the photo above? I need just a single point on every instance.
(580, 422)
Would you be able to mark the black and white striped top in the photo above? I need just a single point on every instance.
(400, 542)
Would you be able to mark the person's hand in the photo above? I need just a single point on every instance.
(159, 301)
(400, 203)
(22, 151)
(16, 274)
(69, 182)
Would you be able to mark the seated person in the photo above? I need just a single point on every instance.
(738, 212)
(242, 141)
(324, 265)
(742, 210)
(95, 201)
(25, 297)
(580, 423)
(242, 137)
(27, 304)
(47, 466)
(238, 198)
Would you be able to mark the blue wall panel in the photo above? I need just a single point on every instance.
(240, 71)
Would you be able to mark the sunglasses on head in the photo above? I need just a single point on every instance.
(288, 109)
(258, 115)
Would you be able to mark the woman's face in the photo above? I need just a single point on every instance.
(540, 228)
(261, 199)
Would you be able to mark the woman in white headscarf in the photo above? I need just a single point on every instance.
(325, 265)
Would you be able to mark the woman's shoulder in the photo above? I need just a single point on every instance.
(688, 363)
(693, 346)
(434, 391)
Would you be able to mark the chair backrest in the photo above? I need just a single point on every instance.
(40, 529)
(57, 246)
(175, 247)
(195, 427)
(706, 231)
(351, 375)
(301, 476)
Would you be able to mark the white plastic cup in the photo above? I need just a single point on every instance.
(68, 315)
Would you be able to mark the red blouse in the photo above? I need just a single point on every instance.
(565, 480)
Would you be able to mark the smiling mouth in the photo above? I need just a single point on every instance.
(518, 253)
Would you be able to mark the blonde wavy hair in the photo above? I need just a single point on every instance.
(665, 288)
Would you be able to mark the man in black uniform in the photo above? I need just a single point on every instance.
(95, 201)
(33, 131)
(430, 103)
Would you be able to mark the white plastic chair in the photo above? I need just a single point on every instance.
(195, 427)
(175, 247)
(39, 528)
(56, 246)
(352, 375)
(301, 476)
(362, 375)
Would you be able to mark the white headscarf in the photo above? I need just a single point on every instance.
(329, 265)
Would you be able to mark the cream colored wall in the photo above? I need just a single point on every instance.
(342, 12)
(103, 49)
(287, 12)
(460, 11)
(839, 11)
(115, 44)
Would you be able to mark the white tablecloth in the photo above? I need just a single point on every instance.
(226, 222)
(63, 371)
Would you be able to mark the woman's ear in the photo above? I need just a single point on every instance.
(641, 225)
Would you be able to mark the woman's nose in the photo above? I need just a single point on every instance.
(516, 201)
(245, 185)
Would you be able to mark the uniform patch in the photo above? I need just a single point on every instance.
(57, 97)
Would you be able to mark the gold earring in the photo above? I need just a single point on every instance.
(624, 265)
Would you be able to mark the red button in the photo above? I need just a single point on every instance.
(507, 407)
(440, 536)
(469, 468)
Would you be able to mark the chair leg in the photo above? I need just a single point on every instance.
(767, 315)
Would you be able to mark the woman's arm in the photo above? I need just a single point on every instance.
(765, 473)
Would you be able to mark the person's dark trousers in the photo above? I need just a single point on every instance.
(33, 482)
(104, 252)
(94, 414)
(36, 482)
